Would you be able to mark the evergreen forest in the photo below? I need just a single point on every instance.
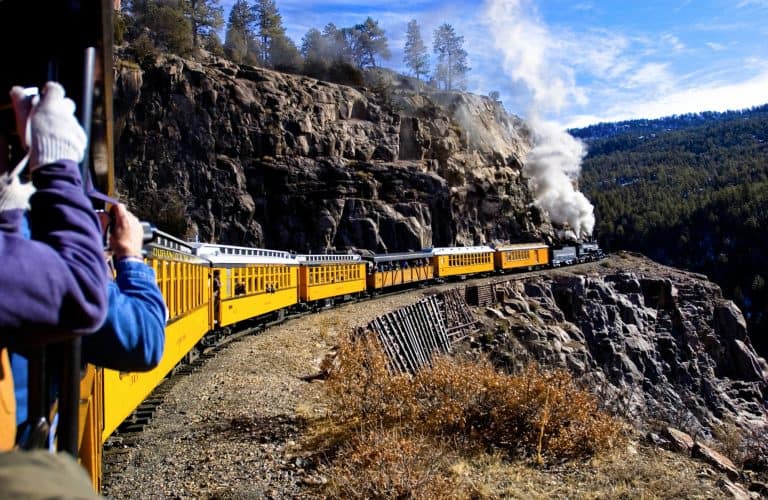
(690, 191)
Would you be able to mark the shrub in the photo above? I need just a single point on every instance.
(471, 404)
(144, 48)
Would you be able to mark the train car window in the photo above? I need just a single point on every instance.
(190, 295)
(173, 287)
(158, 267)
(191, 286)
(184, 292)
(196, 286)
(192, 280)
(179, 283)
(199, 289)
(182, 288)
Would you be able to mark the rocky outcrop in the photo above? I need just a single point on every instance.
(244, 155)
(654, 342)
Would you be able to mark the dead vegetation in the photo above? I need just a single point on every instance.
(404, 436)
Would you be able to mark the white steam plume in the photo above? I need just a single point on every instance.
(552, 167)
(531, 57)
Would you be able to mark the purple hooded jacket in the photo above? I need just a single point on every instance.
(54, 285)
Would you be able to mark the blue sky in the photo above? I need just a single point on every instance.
(582, 61)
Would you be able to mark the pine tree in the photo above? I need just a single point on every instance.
(312, 45)
(239, 38)
(270, 26)
(284, 55)
(416, 57)
(337, 43)
(205, 16)
(369, 42)
(452, 66)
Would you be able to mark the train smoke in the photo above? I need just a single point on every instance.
(533, 58)
(552, 167)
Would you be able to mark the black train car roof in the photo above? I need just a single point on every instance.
(389, 257)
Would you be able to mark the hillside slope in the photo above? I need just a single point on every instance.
(244, 155)
(690, 192)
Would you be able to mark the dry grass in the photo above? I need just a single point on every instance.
(386, 463)
(405, 435)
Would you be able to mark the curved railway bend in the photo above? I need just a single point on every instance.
(227, 428)
(231, 426)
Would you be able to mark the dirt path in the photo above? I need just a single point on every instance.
(226, 430)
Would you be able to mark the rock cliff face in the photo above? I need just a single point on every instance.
(657, 343)
(243, 155)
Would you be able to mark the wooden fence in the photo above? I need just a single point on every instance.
(413, 335)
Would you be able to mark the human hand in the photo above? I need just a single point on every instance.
(126, 236)
(47, 126)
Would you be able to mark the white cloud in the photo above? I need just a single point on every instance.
(715, 96)
(756, 3)
(717, 47)
(672, 41)
(650, 75)
(583, 6)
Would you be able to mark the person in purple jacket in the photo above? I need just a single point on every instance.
(54, 284)
(132, 337)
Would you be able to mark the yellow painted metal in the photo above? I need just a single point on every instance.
(253, 290)
(325, 281)
(383, 279)
(124, 391)
(90, 424)
(461, 264)
(521, 256)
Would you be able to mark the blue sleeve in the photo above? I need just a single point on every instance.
(54, 285)
(133, 335)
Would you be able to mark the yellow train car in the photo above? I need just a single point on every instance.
(395, 269)
(108, 397)
(522, 255)
(183, 279)
(325, 277)
(460, 261)
(249, 282)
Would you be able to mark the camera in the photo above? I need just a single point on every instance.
(107, 221)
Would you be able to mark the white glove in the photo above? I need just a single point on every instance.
(48, 127)
(14, 194)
